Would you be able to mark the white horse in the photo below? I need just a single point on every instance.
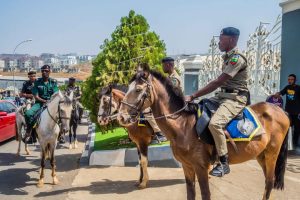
(58, 111)
(21, 125)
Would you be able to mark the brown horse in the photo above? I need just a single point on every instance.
(110, 101)
(151, 89)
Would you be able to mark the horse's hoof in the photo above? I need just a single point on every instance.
(142, 186)
(18, 154)
(40, 184)
(55, 181)
(27, 153)
(137, 183)
(75, 146)
(70, 146)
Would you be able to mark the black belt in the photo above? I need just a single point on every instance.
(239, 92)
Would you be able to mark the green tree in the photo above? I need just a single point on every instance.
(131, 43)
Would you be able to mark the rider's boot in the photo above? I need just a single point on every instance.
(222, 168)
(27, 137)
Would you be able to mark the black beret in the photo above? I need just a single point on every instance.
(72, 79)
(167, 59)
(230, 31)
(45, 67)
(31, 72)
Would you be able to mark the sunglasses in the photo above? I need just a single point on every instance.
(47, 71)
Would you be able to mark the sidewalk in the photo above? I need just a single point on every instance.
(117, 183)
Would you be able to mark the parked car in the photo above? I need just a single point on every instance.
(7, 120)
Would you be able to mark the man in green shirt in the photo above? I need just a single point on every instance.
(42, 91)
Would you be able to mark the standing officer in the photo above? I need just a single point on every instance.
(42, 91)
(168, 67)
(28, 85)
(232, 97)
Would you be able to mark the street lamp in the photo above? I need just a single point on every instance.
(14, 53)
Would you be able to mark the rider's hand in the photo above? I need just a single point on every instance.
(189, 98)
(277, 94)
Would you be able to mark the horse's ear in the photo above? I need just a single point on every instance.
(118, 95)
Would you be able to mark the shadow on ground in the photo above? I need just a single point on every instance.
(113, 187)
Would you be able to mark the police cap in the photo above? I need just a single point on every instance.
(72, 79)
(230, 31)
(167, 59)
(45, 67)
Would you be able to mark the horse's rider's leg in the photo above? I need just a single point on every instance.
(157, 132)
(227, 110)
(42, 175)
(143, 147)
(189, 174)
(29, 118)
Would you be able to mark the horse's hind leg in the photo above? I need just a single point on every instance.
(70, 138)
(74, 136)
(189, 174)
(270, 158)
(144, 178)
(53, 166)
(41, 180)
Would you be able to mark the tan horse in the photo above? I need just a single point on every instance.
(151, 89)
(110, 101)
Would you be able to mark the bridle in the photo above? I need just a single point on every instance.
(109, 114)
(146, 95)
(59, 121)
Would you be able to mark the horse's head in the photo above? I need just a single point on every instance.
(109, 103)
(138, 97)
(65, 109)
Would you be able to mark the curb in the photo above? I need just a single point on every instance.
(158, 156)
(89, 145)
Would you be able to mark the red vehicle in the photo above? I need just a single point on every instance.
(7, 120)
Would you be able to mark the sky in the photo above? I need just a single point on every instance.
(80, 26)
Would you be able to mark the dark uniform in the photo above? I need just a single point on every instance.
(77, 95)
(27, 87)
(44, 91)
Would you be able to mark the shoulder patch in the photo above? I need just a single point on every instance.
(234, 59)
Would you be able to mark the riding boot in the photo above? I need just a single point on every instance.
(222, 168)
(27, 137)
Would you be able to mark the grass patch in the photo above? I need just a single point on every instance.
(111, 140)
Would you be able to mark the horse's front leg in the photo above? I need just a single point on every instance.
(189, 174)
(144, 178)
(53, 166)
(202, 175)
(41, 180)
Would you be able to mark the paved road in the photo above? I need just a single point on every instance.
(19, 175)
(245, 182)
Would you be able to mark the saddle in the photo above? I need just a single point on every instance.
(37, 116)
(241, 128)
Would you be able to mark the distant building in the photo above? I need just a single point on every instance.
(36, 62)
(67, 60)
(85, 58)
(2, 65)
(10, 64)
(24, 64)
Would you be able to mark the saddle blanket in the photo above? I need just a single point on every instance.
(242, 128)
(245, 127)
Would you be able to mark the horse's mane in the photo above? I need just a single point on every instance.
(175, 93)
(67, 100)
(107, 89)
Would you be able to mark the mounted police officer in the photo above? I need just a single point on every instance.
(77, 95)
(168, 67)
(233, 95)
(27, 87)
(42, 91)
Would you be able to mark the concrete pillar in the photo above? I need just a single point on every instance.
(290, 42)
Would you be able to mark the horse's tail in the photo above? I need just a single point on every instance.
(281, 165)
